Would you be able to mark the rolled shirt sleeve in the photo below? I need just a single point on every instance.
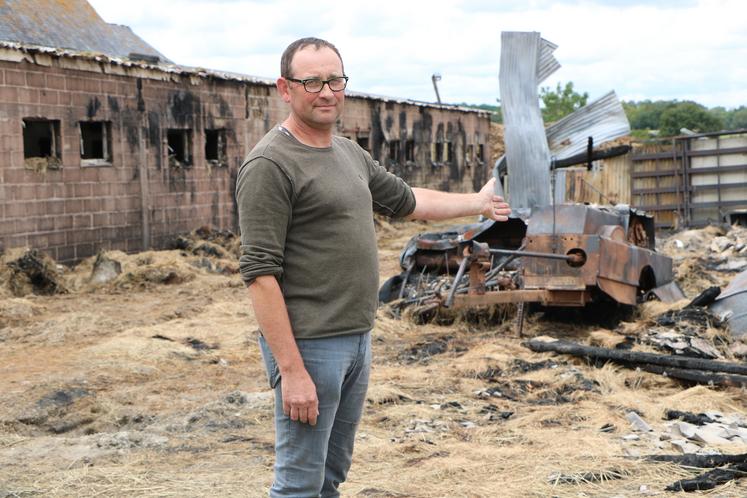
(264, 196)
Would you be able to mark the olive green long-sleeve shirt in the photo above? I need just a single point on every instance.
(305, 215)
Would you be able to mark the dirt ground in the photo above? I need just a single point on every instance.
(152, 385)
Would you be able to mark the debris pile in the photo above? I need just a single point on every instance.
(685, 332)
(153, 268)
(28, 271)
(708, 256)
(207, 241)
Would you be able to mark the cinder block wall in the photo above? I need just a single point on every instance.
(74, 211)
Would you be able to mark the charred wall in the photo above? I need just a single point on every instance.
(162, 171)
(406, 137)
(72, 207)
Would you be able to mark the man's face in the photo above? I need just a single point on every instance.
(317, 110)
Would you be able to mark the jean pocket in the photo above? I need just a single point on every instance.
(271, 367)
(273, 375)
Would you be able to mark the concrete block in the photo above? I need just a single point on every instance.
(637, 422)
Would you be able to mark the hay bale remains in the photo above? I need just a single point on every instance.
(33, 272)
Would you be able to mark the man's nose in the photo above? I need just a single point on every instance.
(326, 90)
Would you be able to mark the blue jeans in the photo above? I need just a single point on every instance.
(312, 461)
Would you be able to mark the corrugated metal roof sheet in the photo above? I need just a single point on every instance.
(68, 24)
(604, 119)
(547, 63)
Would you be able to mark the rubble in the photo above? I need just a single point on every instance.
(105, 269)
(637, 422)
(30, 272)
(207, 241)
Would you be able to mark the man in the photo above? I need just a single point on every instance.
(306, 200)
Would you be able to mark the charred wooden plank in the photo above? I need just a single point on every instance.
(638, 358)
(700, 461)
(710, 479)
(690, 418)
(697, 376)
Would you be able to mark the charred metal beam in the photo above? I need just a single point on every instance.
(574, 258)
(596, 155)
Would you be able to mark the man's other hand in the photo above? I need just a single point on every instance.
(300, 401)
(493, 206)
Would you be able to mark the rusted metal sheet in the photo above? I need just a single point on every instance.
(618, 266)
(544, 296)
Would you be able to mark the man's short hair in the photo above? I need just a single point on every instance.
(287, 58)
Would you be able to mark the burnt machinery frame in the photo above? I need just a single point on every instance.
(564, 255)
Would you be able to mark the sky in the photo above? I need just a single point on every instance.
(670, 49)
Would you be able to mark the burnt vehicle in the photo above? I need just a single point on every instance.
(563, 255)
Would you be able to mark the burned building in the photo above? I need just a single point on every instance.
(107, 144)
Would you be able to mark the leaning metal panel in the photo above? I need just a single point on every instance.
(527, 153)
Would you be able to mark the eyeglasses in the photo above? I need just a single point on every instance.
(315, 85)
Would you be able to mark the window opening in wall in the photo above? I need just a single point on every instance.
(95, 143)
(41, 144)
(439, 152)
(449, 152)
(394, 150)
(215, 148)
(410, 150)
(363, 142)
(180, 147)
(481, 152)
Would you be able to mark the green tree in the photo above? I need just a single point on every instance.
(722, 114)
(646, 115)
(560, 102)
(690, 115)
(737, 118)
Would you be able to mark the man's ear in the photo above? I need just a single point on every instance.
(283, 90)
